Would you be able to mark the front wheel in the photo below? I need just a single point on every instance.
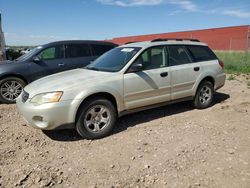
(10, 89)
(97, 118)
(204, 95)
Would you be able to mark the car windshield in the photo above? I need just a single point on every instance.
(114, 60)
(29, 54)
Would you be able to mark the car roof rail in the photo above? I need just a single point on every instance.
(131, 42)
(176, 39)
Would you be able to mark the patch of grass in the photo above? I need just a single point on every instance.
(231, 77)
(235, 62)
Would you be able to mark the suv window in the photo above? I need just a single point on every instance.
(77, 50)
(55, 52)
(153, 58)
(178, 55)
(202, 53)
(101, 49)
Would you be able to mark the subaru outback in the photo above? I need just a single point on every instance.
(128, 78)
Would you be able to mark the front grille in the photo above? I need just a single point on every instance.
(25, 96)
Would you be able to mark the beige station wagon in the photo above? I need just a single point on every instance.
(129, 78)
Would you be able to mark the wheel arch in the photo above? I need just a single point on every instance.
(201, 79)
(205, 78)
(208, 78)
(14, 75)
(105, 95)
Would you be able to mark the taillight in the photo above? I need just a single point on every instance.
(221, 64)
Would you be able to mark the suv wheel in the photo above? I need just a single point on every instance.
(97, 119)
(10, 89)
(204, 95)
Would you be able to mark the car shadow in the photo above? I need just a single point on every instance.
(131, 120)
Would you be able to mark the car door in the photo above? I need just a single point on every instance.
(150, 86)
(183, 71)
(78, 55)
(51, 61)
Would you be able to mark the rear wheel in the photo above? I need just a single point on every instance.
(96, 119)
(10, 89)
(204, 95)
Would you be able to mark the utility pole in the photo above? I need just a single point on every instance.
(2, 42)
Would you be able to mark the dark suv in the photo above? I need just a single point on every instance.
(46, 60)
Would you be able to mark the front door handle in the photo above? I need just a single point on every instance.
(196, 68)
(61, 64)
(164, 74)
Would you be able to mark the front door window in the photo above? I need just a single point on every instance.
(55, 52)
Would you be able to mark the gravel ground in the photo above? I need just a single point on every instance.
(172, 146)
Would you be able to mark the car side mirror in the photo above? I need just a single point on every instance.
(36, 59)
(137, 67)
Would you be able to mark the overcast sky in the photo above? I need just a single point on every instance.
(32, 22)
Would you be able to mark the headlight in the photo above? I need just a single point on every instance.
(47, 97)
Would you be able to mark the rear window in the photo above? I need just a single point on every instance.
(201, 53)
(77, 50)
(101, 49)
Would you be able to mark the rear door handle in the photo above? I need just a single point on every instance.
(61, 64)
(196, 68)
(164, 74)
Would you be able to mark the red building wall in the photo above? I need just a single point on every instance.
(227, 38)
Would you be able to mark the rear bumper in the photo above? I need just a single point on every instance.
(49, 116)
(220, 81)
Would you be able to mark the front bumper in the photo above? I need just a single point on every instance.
(49, 116)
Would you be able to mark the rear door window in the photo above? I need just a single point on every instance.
(201, 53)
(101, 49)
(78, 50)
(178, 55)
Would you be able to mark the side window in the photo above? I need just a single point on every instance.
(178, 55)
(101, 49)
(201, 53)
(153, 58)
(77, 50)
(55, 52)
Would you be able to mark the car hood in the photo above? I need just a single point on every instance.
(67, 81)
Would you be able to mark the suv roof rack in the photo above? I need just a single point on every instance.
(176, 39)
(130, 42)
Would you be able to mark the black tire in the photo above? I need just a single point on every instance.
(86, 117)
(204, 95)
(7, 99)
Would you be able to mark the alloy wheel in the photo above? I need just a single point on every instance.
(205, 94)
(97, 118)
(10, 90)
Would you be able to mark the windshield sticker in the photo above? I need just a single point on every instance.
(127, 49)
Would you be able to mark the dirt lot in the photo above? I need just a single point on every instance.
(172, 146)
